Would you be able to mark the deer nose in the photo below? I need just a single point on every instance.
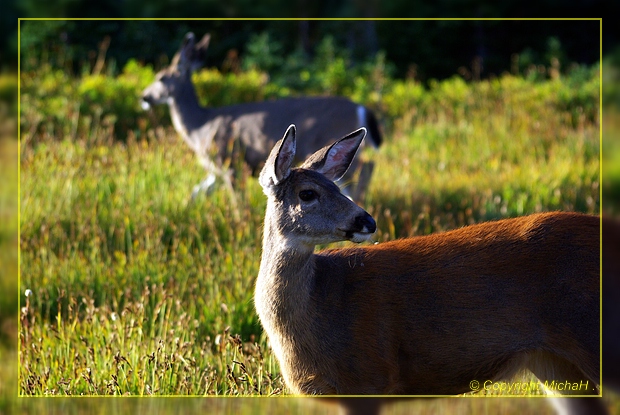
(365, 223)
(146, 102)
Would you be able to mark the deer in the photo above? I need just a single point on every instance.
(439, 314)
(250, 127)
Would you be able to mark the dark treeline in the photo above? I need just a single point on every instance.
(428, 49)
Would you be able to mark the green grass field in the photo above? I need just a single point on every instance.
(135, 290)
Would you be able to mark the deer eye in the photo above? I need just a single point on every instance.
(308, 195)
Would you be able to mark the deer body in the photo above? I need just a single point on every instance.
(424, 315)
(251, 126)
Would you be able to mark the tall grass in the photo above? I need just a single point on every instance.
(112, 245)
(134, 289)
(8, 270)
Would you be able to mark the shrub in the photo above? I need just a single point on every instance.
(55, 105)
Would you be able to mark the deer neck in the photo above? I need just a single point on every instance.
(285, 281)
(188, 117)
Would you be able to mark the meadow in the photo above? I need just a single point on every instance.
(129, 288)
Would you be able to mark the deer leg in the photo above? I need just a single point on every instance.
(227, 177)
(361, 406)
(206, 186)
(578, 406)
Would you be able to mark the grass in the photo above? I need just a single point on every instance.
(122, 259)
(138, 291)
(8, 258)
(611, 161)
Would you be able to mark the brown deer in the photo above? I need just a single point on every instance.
(442, 314)
(252, 126)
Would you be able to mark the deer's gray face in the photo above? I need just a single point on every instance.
(304, 204)
(314, 211)
(165, 87)
(174, 81)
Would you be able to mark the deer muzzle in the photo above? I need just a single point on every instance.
(363, 226)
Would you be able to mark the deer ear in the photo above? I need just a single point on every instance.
(183, 58)
(333, 161)
(187, 47)
(199, 53)
(202, 46)
(278, 165)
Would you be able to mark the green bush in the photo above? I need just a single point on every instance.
(56, 105)
(115, 101)
(8, 94)
(216, 89)
(48, 104)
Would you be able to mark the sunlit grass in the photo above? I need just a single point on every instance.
(137, 290)
(116, 255)
(493, 162)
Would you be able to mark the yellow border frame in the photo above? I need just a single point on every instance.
(303, 19)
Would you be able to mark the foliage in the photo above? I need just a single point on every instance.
(8, 259)
(117, 102)
(217, 89)
(56, 105)
(263, 53)
(8, 240)
(8, 96)
(611, 160)
(611, 79)
(437, 48)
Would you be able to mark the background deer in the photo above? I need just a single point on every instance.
(252, 126)
(423, 315)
